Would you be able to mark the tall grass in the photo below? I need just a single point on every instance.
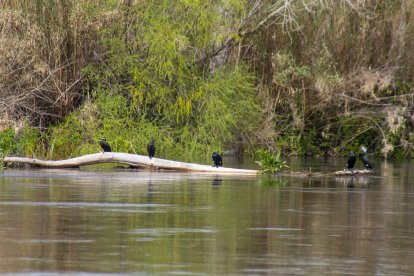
(334, 75)
(44, 46)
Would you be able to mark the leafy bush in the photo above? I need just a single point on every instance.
(26, 143)
(7, 142)
(270, 162)
(30, 143)
(222, 109)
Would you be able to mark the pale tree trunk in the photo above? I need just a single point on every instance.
(128, 159)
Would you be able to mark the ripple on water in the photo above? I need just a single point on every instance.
(170, 231)
(47, 241)
(119, 210)
(81, 204)
(69, 273)
(180, 272)
(274, 229)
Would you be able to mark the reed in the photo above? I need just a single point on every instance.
(44, 46)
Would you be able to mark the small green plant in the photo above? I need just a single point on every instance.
(7, 142)
(270, 161)
(1, 160)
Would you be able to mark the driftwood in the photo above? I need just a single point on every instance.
(305, 173)
(128, 159)
(351, 172)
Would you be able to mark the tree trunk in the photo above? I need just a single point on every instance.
(128, 159)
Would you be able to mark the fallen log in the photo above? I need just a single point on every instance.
(127, 159)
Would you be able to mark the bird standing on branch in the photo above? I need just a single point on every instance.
(364, 158)
(151, 149)
(351, 161)
(218, 161)
(104, 145)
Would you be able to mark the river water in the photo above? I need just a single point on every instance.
(117, 222)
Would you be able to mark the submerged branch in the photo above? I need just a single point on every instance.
(310, 173)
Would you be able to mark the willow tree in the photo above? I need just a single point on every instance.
(155, 78)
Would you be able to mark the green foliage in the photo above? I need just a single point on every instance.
(156, 67)
(26, 142)
(289, 73)
(8, 144)
(30, 143)
(224, 107)
(155, 84)
(228, 108)
(270, 162)
(356, 132)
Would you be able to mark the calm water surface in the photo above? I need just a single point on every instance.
(96, 222)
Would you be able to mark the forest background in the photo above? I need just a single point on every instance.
(319, 77)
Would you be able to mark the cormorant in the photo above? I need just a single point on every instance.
(151, 149)
(218, 161)
(351, 161)
(364, 159)
(104, 145)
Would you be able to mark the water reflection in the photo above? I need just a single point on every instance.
(268, 180)
(137, 222)
(217, 179)
(351, 182)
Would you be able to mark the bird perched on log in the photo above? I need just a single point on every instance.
(351, 161)
(104, 145)
(364, 158)
(218, 161)
(151, 149)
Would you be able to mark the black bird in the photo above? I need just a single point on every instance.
(218, 161)
(104, 145)
(364, 159)
(351, 161)
(151, 149)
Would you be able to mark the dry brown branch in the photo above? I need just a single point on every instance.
(40, 70)
(362, 101)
